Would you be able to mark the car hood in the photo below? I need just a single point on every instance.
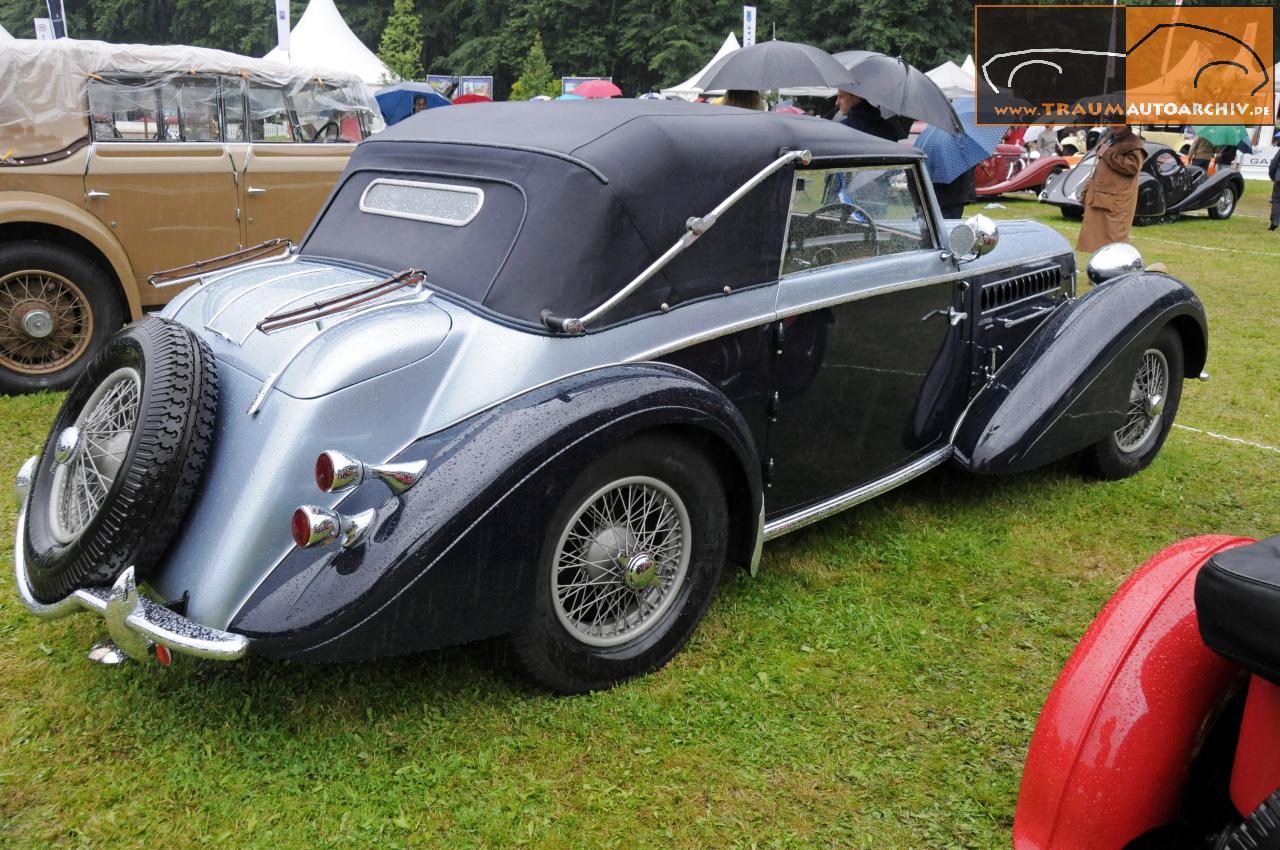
(314, 358)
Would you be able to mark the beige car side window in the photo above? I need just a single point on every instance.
(269, 119)
(198, 109)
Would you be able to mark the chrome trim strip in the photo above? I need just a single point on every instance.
(694, 228)
(149, 619)
(181, 299)
(858, 295)
(418, 184)
(178, 281)
(308, 294)
(835, 504)
(209, 325)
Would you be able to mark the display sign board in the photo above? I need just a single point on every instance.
(442, 83)
(475, 85)
(44, 29)
(748, 26)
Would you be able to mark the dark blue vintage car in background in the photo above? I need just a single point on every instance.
(541, 370)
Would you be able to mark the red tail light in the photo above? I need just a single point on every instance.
(324, 476)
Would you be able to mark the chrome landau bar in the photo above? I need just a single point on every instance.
(244, 258)
(694, 228)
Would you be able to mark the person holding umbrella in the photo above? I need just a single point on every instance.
(952, 159)
(1111, 195)
(861, 115)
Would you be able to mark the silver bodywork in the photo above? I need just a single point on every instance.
(371, 385)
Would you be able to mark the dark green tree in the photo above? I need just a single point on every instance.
(536, 76)
(401, 46)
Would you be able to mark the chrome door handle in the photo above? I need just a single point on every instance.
(955, 316)
(255, 190)
(94, 193)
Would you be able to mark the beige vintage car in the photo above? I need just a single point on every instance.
(118, 161)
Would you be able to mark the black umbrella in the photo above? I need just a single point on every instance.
(772, 65)
(898, 89)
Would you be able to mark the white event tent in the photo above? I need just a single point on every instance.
(688, 90)
(322, 39)
(953, 81)
(4, 35)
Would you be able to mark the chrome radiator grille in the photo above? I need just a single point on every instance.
(1005, 292)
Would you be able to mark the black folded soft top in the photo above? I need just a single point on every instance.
(580, 196)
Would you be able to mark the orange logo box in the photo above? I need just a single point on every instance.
(1207, 65)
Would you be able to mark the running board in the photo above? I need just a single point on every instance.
(836, 504)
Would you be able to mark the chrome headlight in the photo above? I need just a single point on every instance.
(1109, 261)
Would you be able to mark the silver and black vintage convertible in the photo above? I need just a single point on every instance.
(540, 370)
(1166, 188)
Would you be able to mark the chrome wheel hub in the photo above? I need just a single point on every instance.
(1146, 403)
(621, 561)
(90, 452)
(38, 323)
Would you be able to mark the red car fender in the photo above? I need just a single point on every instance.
(1256, 772)
(1111, 751)
(1032, 176)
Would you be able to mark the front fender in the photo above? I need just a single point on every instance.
(1067, 386)
(1113, 747)
(453, 559)
(38, 208)
(1033, 176)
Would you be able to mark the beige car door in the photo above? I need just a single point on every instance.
(159, 175)
(296, 153)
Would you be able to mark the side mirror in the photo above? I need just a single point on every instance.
(976, 237)
(1113, 260)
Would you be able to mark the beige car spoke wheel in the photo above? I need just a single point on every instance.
(46, 322)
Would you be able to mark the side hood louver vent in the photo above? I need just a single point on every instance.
(1005, 292)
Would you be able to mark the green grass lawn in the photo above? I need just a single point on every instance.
(875, 686)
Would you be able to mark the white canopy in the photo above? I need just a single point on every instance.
(4, 35)
(322, 39)
(687, 89)
(952, 79)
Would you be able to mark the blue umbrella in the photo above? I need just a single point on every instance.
(570, 96)
(396, 102)
(950, 156)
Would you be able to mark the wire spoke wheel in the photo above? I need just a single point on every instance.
(621, 561)
(1147, 398)
(46, 322)
(98, 443)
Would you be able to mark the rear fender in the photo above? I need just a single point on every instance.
(1114, 744)
(1205, 194)
(1067, 386)
(453, 558)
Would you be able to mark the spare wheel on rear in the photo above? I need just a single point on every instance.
(124, 458)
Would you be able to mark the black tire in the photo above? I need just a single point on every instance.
(1261, 830)
(547, 650)
(1225, 204)
(75, 290)
(1053, 175)
(1072, 213)
(146, 498)
(1115, 457)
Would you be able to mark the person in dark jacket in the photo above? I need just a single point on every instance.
(863, 116)
(1274, 173)
(954, 195)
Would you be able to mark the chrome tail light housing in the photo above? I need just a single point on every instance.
(337, 471)
(312, 525)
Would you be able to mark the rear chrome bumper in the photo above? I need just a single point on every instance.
(135, 622)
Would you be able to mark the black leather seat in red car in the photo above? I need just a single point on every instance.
(1238, 605)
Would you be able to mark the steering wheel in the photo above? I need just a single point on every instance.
(324, 129)
(864, 221)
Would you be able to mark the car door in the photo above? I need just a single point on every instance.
(871, 335)
(299, 143)
(158, 174)
(1173, 177)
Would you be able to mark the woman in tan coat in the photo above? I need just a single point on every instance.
(1111, 196)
